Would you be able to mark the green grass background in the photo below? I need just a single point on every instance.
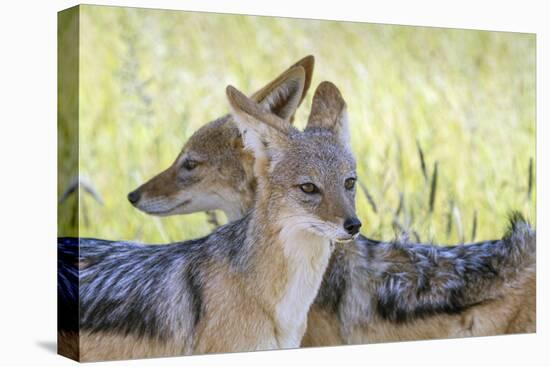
(150, 78)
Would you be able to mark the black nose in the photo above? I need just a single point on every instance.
(133, 197)
(352, 225)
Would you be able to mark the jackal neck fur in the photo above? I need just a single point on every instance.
(287, 272)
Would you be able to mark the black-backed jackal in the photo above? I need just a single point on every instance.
(373, 291)
(248, 285)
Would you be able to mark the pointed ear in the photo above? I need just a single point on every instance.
(308, 63)
(328, 111)
(284, 94)
(263, 133)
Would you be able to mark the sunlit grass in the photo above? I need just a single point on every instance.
(466, 99)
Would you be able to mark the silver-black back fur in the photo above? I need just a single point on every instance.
(141, 290)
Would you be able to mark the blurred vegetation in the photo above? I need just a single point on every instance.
(442, 120)
(67, 122)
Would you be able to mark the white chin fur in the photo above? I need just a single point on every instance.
(332, 233)
(346, 239)
(163, 208)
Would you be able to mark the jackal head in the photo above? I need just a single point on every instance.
(306, 179)
(213, 171)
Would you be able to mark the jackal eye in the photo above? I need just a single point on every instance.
(309, 188)
(350, 183)
(190, 164)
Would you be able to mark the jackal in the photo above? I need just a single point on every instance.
(209, 172)
(248, 285)
(376, 291)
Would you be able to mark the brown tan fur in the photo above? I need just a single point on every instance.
(512, 313)
(68, 344)
(232, 323)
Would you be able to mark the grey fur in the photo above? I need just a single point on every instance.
(144, 290)
(401, 281)
(127, 288)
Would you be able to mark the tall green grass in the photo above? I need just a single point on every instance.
(442, 120)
